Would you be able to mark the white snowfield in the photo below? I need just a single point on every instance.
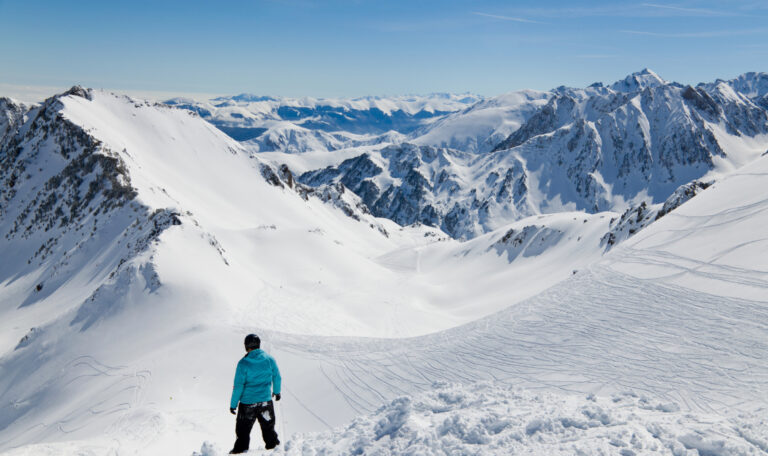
(487, 419)
(527, 340)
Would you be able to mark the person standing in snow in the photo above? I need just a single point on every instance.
(257, 380)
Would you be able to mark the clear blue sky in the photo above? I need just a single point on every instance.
(361, 47)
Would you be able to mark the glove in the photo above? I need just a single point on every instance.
(277, 396)
(232, 411)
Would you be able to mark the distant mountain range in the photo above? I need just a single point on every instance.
(246, 117)
(469, 165)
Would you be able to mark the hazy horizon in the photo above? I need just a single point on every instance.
(36, 94)
(346, 48)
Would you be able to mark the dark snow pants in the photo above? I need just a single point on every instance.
(247, 414)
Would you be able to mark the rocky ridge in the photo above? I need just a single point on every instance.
(66, 198)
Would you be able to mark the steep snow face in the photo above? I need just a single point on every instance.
(243, 225)
(752, 85)
(479, 128)
(638, 217)
(715, 242)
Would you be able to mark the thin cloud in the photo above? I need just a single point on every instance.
(646, 9)
(596, 56)
(713, 34)
(695, 11)
(506, 18)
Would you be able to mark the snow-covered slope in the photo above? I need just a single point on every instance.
(752, 85)
(675, 364)
(482, 126)
(173, 241)
(673, 324)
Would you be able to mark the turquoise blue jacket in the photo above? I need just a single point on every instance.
(256, 378)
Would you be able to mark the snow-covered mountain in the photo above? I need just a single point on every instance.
(140, 243)
(593, 149)
(287, 137)
(482, 126)
(247, 116)
(752, 85)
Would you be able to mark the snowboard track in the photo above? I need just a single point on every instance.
(623, 334)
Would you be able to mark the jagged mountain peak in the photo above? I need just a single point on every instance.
(638, 81)
(12, 114)
(753, 85)
(78, 91)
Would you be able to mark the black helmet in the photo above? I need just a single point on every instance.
(252, 342)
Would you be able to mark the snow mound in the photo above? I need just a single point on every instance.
(488, 418)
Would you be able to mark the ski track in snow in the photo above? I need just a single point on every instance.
(620, 334)
(119, 397)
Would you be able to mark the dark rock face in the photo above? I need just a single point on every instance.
(638, 217)
(529, 241)
(701, 100)
(548, 119)
(90, 180)
(353, 172)
(621, 135)
(65, 199)
(404, 190)
(682, 195)
(763, 102)
(12, 116)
